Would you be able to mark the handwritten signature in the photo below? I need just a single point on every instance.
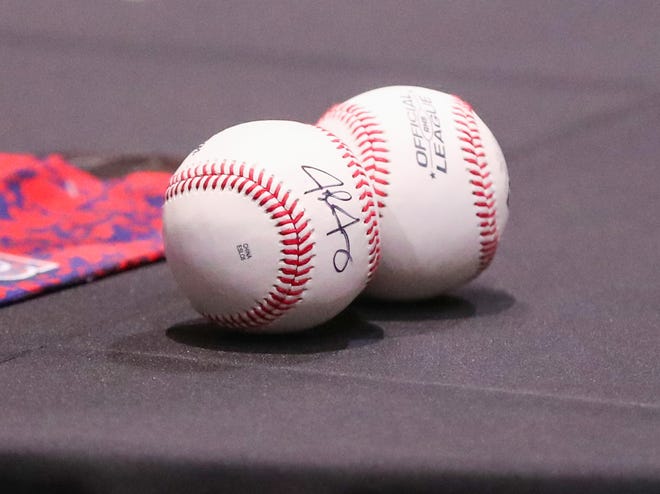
(326, 185)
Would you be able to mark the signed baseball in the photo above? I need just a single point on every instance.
(441, 183)
(271, 226)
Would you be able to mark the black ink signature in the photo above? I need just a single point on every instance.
(324, 182)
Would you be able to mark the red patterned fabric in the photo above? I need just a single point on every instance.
(61, 225)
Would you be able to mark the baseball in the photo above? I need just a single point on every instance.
(271, 226)
(440, 180)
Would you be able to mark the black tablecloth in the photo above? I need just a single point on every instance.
(542, 375)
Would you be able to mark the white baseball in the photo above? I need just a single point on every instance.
(441, 182)
(271, 226)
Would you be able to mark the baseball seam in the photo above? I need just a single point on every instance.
(474, 156)
(369, 209)
(293, 227)
(369, 137)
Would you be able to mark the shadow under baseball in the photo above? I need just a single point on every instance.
(468, 302)
(347, 330)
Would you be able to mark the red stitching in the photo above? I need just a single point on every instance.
(482, 188)
(366, 197)
(293, 227)
(368, 136)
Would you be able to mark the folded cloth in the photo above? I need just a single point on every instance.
(60, 225)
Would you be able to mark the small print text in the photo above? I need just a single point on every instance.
(426, 132)
(244, 251)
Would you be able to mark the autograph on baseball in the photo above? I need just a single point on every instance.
(327, 187)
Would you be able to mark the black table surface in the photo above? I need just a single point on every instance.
(543, 375)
